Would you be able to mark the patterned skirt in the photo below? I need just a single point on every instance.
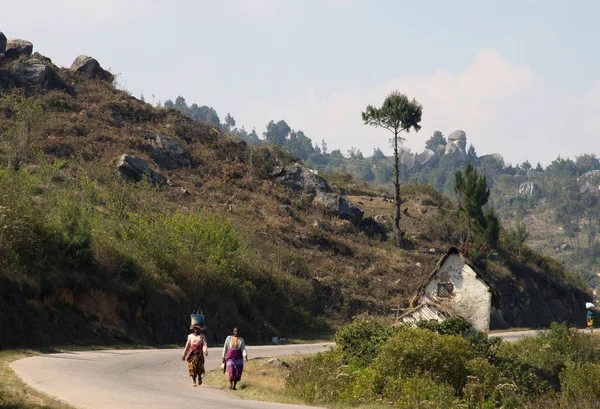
(196, 364)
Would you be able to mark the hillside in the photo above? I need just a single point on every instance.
(98, 247)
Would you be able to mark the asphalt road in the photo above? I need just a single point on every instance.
(148, 379)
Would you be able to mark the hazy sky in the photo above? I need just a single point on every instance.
(521, 78)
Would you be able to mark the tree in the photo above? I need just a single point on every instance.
(436, 140)
(473, 194)
(324, 146)
(397, 114)
(586, 163)
(526, 166)
(336, 154)
(181, 105)
(205, 114)
(277, 133)
(378, 155)
(142, 97)
(471, 154)
(169, 104)
(229, 122)
(518, 236)
(299, 144)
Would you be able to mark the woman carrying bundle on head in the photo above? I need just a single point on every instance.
(591, 316)
(234, 352)
(196, 348)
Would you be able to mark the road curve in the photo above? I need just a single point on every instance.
(149, 379)
(144, 379)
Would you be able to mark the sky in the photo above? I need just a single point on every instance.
(521, 78)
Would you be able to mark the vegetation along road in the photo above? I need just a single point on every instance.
(147, 378)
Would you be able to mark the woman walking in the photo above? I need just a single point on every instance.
(196, 348)
(234, 353)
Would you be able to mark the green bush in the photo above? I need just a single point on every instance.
(451, 326)
(361, 340)
(580, 382)
(415, 352)
(551, 350)
(481, 382)
(418, 393)
(319, 378)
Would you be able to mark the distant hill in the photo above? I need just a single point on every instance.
(119, 218)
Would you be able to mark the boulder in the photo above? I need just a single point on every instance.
(457, 135)
(169, 153)
(307, 182)
(529, 189)
(589, 182)
(301, 179)
(340, 206)
(277, 362)
(425, 156)
(35, 72)
(134, 169)
(16, 47)
(90, 68)
(2, 43)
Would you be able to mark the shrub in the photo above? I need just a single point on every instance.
(551, 350)
(418, 393)
(416, 352)
(580, 382)
(361, 340)
(481, 381)
(451, 326)
(319, 378)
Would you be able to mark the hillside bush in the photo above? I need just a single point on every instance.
(580, 382)
(423, 368)
(361, 340)
(417, 352)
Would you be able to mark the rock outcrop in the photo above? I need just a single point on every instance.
(340, 206)
(16, 47)
(589, 182)
(301, 179)
(3, 41)
(90, 68)
(307, 182)
(425, 156)
(169, 153)
(134, 169)
(36, 72)
(529, 189)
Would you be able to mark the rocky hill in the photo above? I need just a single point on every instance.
(119, 218)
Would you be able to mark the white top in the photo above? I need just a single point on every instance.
(194, 339)
(242, 345)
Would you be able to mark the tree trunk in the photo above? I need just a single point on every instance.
(397, 232)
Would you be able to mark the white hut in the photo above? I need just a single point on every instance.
(455, 288)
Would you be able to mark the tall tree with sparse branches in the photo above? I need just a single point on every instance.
(397, 114)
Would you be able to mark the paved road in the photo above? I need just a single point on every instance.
(148, 379)
(516, 335)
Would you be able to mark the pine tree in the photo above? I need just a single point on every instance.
(473, 194)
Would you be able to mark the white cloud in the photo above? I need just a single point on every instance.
(503, 107)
